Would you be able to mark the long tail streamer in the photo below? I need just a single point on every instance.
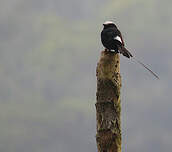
(145, 67)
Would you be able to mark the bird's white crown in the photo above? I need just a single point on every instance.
(108, 22)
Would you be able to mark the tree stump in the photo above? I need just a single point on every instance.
(108, 107)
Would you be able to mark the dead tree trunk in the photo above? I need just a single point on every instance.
(108, 105)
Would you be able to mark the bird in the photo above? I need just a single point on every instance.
(112, 40)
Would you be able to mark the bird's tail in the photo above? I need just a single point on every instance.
(127, 54)
(145, 67)
(124, 52)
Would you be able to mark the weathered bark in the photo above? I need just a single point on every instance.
(108, 105)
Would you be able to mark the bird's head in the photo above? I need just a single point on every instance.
(108, 24)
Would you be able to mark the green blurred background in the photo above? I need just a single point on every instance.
(48, 56)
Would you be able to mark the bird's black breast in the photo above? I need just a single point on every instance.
(107, 38)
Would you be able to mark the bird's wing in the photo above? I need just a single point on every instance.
(117, 36)
(121, 38)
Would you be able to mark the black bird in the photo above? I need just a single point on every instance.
(112, 39)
